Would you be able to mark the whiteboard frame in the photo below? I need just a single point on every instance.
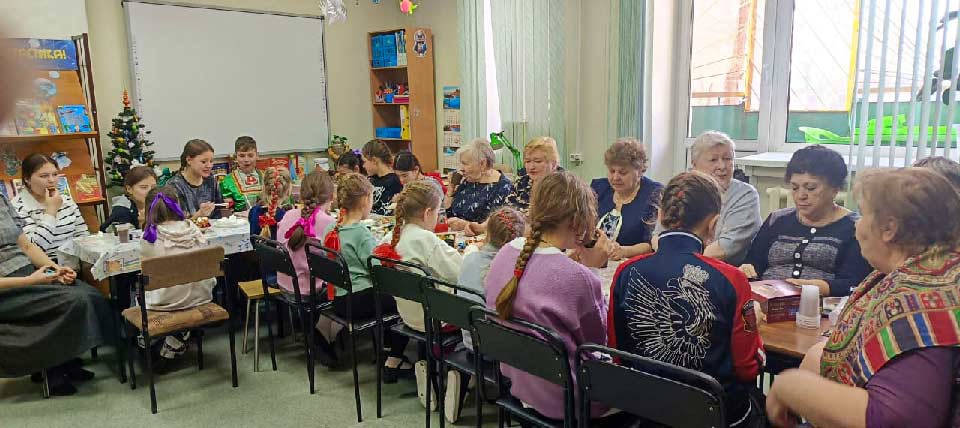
(323, 43)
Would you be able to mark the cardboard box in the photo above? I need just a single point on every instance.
(779, 300)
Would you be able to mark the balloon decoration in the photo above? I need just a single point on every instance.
(407, 7)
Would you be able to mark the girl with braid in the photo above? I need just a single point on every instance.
(532, 279)
(274, 199)
(316, 195)
(413, 241)
(683, 308)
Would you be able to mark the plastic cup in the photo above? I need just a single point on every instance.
(808, 315)
(123, 232)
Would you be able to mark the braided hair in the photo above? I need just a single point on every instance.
(351, 189)
(276, 187)
(504, 225)
(688, 199)
(316, 189)
(416, 197)
(558, 198)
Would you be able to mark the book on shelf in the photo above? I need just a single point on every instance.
(73, 118)
(87, 189)
(8, 127)
(63, 185)
(35, 118)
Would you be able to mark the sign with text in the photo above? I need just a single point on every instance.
(47, 54)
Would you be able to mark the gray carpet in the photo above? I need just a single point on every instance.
(191, 398)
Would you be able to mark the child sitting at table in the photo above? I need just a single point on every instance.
(274, 201)
(244, 184)
(413, 241)
(167, 232)
(197, 189)
(683, 308)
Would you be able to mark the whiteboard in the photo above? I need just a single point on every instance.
(219, 74)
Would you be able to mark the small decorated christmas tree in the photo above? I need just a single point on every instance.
(130, 145)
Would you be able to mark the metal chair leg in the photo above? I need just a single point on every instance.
(131, 351)
(153, 390)
(273, 353)
(356, 377)
(45, 386)
(246, 327)
(256, 338)
(199, 335)
(233, 356)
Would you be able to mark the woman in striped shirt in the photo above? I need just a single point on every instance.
(50, 219)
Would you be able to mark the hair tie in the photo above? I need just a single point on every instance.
(150, 232)
(517, 273)
(502, 215)
(680, 194)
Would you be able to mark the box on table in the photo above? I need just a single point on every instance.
(779, 300)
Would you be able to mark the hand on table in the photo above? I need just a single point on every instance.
(749, 271)
(457, 223)
(473, 229)
(206, 208)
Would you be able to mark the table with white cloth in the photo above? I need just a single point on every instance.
(108, 257)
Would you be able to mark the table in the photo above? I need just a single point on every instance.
(108, 257)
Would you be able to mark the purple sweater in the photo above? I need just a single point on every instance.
(915, 389)
(561, 295)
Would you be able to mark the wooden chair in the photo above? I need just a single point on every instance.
(330, 267)
(253, 292)
(275, 257)
(443, 307)
(169, 271)
(525, 346)
(673, 396)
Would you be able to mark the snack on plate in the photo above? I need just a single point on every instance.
(202, 222)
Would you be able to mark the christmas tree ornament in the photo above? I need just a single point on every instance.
(130, 145)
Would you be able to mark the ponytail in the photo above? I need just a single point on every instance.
(509, 293)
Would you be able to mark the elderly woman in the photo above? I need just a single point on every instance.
(712, 154)
(893, 358)
(812, 243)
(482, 190)
(44, 320)
(626, 200)
(948, 168)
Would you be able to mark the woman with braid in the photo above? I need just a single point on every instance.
(532, 279)
(683, 308)
(413, 241)
(316, 195)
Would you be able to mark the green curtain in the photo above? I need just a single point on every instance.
(626, 72)
(473, 94)
(528, 44)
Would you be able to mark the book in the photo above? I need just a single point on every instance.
(8, 127)
(87, 189)
(73, 118)
(6, 190)
(221, 170)
(63, 185)
(35, 118)
(779, 300)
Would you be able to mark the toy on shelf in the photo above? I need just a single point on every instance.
(392, 94)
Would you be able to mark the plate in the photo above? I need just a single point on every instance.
(229, 223)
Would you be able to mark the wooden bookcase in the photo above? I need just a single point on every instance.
(83, 148)
(418, 75)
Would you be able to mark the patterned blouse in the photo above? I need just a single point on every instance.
(522, 188)
(474, 201)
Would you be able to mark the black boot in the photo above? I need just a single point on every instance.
(326, 355)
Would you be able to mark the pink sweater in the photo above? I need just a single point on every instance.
(559, 294)
(299, 257)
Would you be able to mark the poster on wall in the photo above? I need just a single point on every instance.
(47, 54)
(451, 128)
(451, 98)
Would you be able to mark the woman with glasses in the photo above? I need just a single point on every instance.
(812, 243)
(626, 200)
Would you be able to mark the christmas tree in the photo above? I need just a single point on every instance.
(130, 145)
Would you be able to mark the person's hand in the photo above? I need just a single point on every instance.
(655, 242)
(41, 277)
(811, 360)
(54, 202)
(749, 271)
(473, 229)
(457, 223)
(593, 257)
(65, 275)
(777, 411)
(206, 208)
(614, 250)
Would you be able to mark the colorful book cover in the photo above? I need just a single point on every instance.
(87, 189)
(8, 127)
(220, 170)
(264, 163)
(6, 190)
(35, 118)
(73, 118)
(17, 185)
(63, 185)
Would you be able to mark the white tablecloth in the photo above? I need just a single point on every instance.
(109, 257)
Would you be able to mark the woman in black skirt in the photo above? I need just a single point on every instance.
(47, 317)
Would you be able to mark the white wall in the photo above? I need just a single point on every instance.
(43, 19)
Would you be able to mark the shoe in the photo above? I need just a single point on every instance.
(326, 354)
(59, 385)
(420, 370)
(391, 374)
(78, 374)
(453, 396)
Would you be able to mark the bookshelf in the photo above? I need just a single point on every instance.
(82, 148)
(418, 114)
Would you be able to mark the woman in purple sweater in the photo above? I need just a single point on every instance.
(893, 359)
(532, 279)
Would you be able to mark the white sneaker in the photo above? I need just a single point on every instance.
(420, 370)
(451, 397)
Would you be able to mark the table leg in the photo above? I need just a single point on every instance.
(116, 319)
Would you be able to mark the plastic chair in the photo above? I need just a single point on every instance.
(677, 397)
(540, 353)
(169, 271)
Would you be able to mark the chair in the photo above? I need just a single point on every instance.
(679, 397)
(253, 292)
(275, 257)
(169, 271)
(540, 353)
(443, 307)
(328, 265)
(402, 280)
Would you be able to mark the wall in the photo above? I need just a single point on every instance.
(43, 19)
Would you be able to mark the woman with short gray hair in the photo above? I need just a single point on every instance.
(712, 153)
(478, 188)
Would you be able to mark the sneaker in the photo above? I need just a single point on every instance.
(452, 399)
(420, 370)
